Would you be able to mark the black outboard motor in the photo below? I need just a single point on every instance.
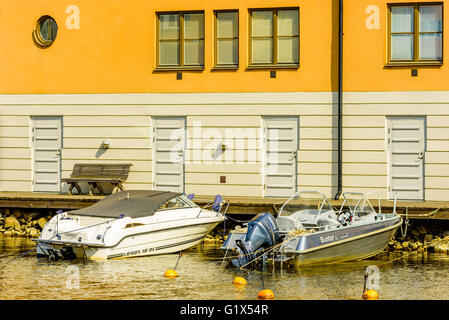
(262, 233)
(67, 253)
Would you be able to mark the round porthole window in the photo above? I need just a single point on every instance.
(45, 31)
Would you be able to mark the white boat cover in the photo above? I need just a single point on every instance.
(127, 203)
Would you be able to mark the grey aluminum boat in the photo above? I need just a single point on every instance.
(320, 235)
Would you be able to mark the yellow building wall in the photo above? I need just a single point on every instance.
(365, 52)
(113, 51)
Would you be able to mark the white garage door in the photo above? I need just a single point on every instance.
(406, 146)
(169, 148)
(280, 156)
(46, 142)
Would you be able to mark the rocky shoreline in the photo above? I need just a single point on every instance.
(430, 236)
(22, 223)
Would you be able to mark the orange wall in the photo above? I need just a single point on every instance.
(365, 54)
(114, 49)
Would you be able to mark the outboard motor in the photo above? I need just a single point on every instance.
(262, 233)
(67, 253)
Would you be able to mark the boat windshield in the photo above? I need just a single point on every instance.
(358, 204)
(178, 202)
(309, 205)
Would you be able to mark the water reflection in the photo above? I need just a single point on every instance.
(415, 277)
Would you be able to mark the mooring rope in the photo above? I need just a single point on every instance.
(20, 256)
(433, 213)
(240, 221)
(226, 253)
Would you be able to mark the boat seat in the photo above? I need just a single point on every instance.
(325, 221)
(329, 214)
(287, 223)
(326, 218)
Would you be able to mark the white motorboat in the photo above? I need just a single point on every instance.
(127, 224)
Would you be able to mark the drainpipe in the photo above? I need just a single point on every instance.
(340, 99)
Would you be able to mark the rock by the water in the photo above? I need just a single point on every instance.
(34, 233)
(42, 222)
(428, 238)
(11, 222)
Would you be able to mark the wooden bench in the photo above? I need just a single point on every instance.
(94, 174)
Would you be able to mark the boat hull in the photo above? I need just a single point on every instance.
(162, 241)
(355, 247)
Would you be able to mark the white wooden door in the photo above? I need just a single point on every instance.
(169, 137)
(280, 156)
(46, 144)
(406, 146)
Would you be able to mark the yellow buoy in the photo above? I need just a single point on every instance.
(266, 294)
(239, 281)
(370, 295)
(170, 274)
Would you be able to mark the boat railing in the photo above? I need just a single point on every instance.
(378, 200)
(299, 193)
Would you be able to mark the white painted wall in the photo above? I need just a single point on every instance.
(125, 119)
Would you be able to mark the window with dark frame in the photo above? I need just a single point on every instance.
(227, 39)
(274, 37)
(180, 40)
(415, 33)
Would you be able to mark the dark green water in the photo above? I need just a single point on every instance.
(201, 277)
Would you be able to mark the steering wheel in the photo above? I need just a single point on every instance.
(346, 215)
(343, 212)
